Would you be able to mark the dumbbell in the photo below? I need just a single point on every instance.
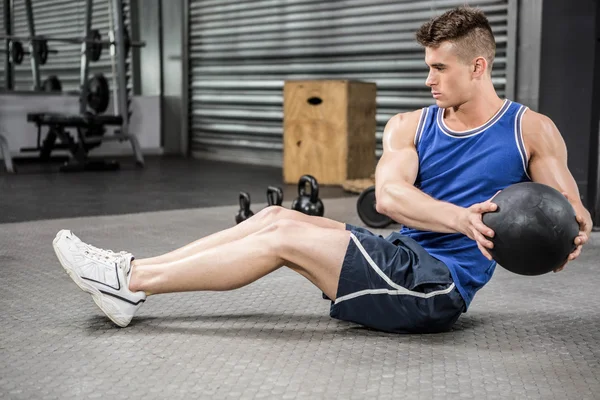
(308, 204)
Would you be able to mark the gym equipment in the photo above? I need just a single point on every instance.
(96, 44)
(17, 52)
(244, 213)
(90, 134)
(535, 228)
(274, 196)
(93, 40)
(127, 41)
(367, 211)
(305, 203)
(52, 84)
(95, 94)
(98, 93)
(329, 129)
(95, 48)
(41, 49)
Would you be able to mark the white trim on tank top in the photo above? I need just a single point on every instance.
(470, 132)
(421, 125)
(519, 137)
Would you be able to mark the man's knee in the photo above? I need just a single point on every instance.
(276, 236)
(280, 232)
(281, 226)
(276, 213)
(272, 213)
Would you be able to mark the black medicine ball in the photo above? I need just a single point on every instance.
(535, 228)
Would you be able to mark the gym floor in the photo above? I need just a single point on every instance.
(38, 191)
(523, 337)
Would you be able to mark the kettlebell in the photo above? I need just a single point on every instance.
(308, 204)
(245, 211)
(274, 196)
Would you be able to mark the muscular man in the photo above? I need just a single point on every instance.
(440, 167)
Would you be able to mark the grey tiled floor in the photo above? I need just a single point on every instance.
(39, 192)
(522, 338)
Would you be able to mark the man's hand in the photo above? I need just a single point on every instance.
(584, 220)
(471, 224)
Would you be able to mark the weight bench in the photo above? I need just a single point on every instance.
(90, 134)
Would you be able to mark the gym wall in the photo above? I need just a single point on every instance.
(242, 52)
(557, 66)
(2, 53)
(566, 88)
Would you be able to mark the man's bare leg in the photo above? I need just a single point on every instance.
(252, 225)
(315, 252)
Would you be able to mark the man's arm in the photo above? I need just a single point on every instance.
(396, 172)
(548, 165)
(548, 157)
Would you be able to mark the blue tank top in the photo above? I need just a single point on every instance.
(465, 168)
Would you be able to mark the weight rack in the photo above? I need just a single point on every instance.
(119, 44)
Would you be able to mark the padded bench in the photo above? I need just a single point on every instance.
(74, 120)
(90, 132)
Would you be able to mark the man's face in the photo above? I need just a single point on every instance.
(450, 79)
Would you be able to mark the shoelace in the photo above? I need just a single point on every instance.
(108, 253)
(120, 259)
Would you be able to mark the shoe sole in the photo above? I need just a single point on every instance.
(107, 306)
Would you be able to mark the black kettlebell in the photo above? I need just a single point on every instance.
(305, 203)
(274, 196)
(245, 211)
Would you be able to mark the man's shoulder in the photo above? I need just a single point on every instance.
(537, 127)
(404, 121)
(535, 122)
(408, 117)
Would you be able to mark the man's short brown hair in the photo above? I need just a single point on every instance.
(467, 28)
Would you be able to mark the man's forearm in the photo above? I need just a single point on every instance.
(411, 207)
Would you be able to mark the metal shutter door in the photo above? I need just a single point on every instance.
(2, 47)
(62, 18)
(241, 52)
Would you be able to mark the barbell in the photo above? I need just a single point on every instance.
(17, 52)
(94, 40)
(73, 40)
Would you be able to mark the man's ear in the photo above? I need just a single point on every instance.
(479, 66)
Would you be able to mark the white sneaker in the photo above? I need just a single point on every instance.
(102, 273)
(104, 252)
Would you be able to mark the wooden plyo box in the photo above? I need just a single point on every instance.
(329, 130)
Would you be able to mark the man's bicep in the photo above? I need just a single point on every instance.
(398, 166)
(399, 163)
(548, 163)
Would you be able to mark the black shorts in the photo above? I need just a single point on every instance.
(392, 284)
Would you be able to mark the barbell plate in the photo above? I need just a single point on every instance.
(367, 211)
(17, 52)
(95, 48)
(98, 95)
(52, 84)
(41, 49)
